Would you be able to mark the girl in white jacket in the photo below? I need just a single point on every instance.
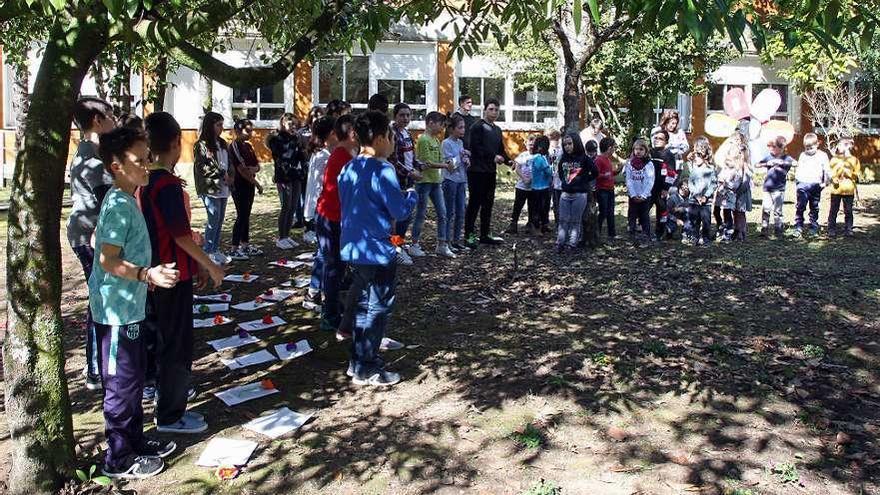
(639, 174)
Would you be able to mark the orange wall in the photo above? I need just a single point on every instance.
(445, 79)
(302, 89)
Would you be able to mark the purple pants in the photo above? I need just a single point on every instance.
(122, 371)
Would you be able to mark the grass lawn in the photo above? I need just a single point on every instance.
(732, 369)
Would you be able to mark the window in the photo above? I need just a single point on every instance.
(533, 103)
(662, 104)
(259, 104)
(413, 93)
(715, 99)
(782, 89)
(869, 116)
(481, 89)
(344, 79)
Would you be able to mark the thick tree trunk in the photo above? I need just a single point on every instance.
(37, 402)
(161, 84)
(571, 98)
(20, 102)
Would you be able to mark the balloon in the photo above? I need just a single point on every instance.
(776, 128)
(736, 105)
(720, 125)
(766, 104)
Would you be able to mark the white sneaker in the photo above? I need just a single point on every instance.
(443, 250)
(310, 237)
(403, 258)
(219, 258)
(285, 243)
(416, 250)
(390, 344)
(290, 242)
(312, 306)
(239, 255)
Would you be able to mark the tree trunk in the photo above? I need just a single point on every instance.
(122, 80)
(206, 88)
(161, 84)
(571, 98)
(37, 401)
(20, 102)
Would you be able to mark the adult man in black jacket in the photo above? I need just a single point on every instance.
(487, 151)
(465, 103)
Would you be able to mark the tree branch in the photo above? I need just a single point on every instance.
(11, 9)
(205, 63)
(166, 34)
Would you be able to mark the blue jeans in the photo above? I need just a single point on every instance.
(807, 194)
(375, 286)
(216, 208)
(454, 198)
(429, 190)
(333, 268)
(606, 211)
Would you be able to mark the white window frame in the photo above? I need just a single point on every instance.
(259, 105)
(477, 110)
(683, 107)
(749, 89)
(872, 129)
(316, 81)
(534, 107)
(412, 106)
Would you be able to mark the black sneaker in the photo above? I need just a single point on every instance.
(93, 382)
(380, 378)
(491, 240)
(471, 241)
(138, 467)
(459, 247)
(156, 448)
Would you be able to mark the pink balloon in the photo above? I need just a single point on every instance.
(736, 105)
(766, 104)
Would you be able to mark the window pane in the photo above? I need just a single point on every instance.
(273, 93)
(493, 88)
(390, 88)
(244, 95)
(547, 96)
(357, 71)
(523, 95)
(329, 80)
(783, 93)
(414, 92)
(271, 113)
(419, 114)
(715, 98)
(523, 116)
(244, 113)
(875, 101)
(545, 115)
(667, 102)
(470, 86)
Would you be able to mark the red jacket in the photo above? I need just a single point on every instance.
(328, 201)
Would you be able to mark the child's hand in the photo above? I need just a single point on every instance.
(259, 188)
(216, 273)
(164, 276)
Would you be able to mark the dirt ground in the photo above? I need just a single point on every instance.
(730, 369)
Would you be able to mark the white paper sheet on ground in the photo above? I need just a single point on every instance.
(302, 348)
(240, 278)
(306, 257)
(232, 342)
(244, 393)
(252, 305)
(300, 282)
(201, 309)
(251, 359)
(213, 297)
(287, 263)
(209, 322)
(277, 294)
(279, 422)
(226, 452)
(254, 325)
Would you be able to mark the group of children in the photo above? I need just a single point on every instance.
(356, 183)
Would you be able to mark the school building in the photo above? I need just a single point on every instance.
(413, 66)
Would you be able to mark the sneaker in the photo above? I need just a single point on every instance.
(403, 258)
(238, 255)
(459, 247)
(343, 335)
(140, 467)
(350, 371)
(798, 233)
(284, 244)
(156, 448)
(416, 250)
(310, 237)
(291, 242)
(190, 393)
(443, 250)
(93, 382)
(312, 306)
(492, 240)
(253, 251)
(218, 258)
(186, 425)
(382, 378)
(194, 415)
(471, 242)
(149, 393)
(390, 345)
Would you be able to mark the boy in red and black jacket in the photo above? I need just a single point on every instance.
(665, 176)
(169, 311)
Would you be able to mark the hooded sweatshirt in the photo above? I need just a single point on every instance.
(576, 173)
(639, 174)
(702, 182)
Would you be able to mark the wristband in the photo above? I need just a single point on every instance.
(140, 271)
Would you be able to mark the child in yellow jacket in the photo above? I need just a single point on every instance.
(845, 171)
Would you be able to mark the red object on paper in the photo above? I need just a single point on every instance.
(282, 261)
(269, 292)
(397, 240)
(267, 384)
(267, 319)
(258, 299)
(246, 276)
(226, 472)
(218, 320)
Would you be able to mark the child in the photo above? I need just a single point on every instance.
(738, 152)
(288, 176)
(701, 183)
(428, 152)
(677, 206)
(407, 166)
(665, 177)
(539, 197)
(523, 169)
(845, 171)
(729, 182)
(812, 174)
(575, 173)
(605, 185)
(213, 178)
(639, 173)
(169, 311)
(117, 293)
(371, 199)
(328, 266)
(89, 182)
(589, 230)
(777, 163)
(455, 181)
(322, 142)
(243, 159)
